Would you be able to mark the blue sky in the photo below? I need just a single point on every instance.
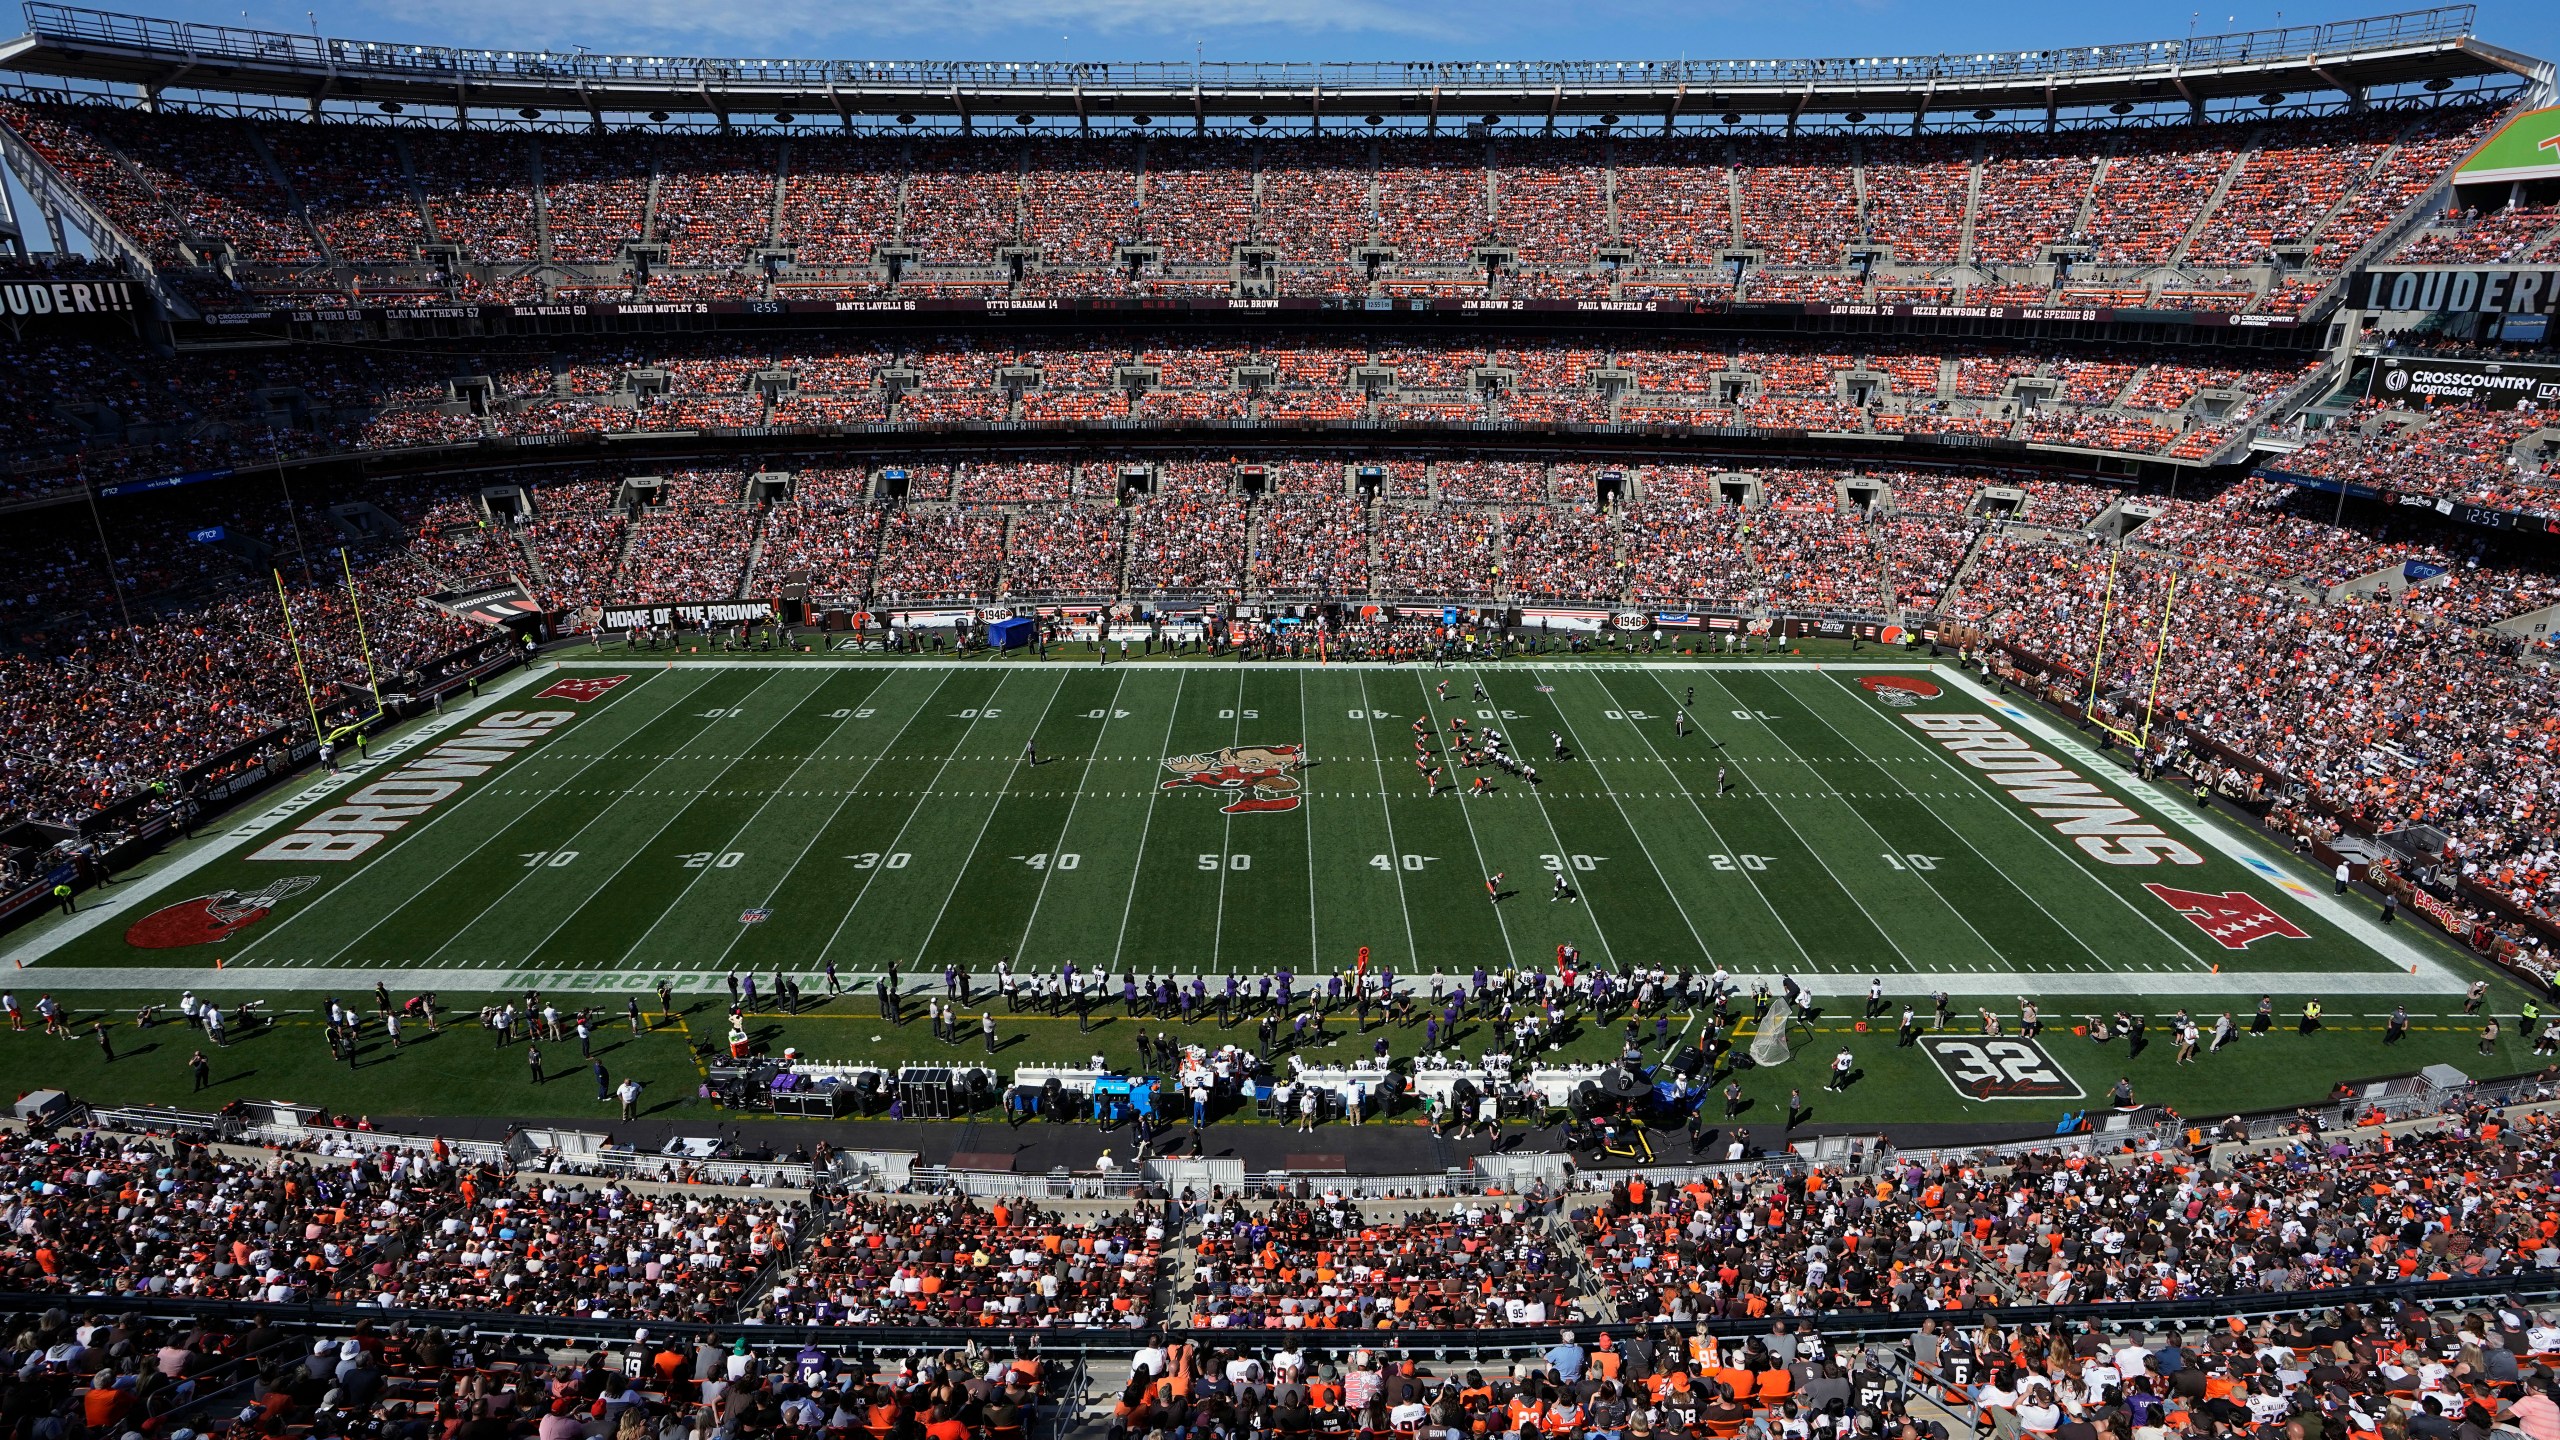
(1299, 29)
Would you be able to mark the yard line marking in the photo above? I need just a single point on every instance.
(980, 838)
(1712, 828)
(1315, 952)
(1022, 946)
(1831, 791)
(1395, 852)
(814, 753)
(1227, 840)
(570, 912)
(1789, 821)
(1564, 858)
(2070, 853)
(1139, 866)
(1481, 868)
(912, 811)
(1960, 837)
(1633, 828)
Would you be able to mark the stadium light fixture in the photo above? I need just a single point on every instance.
(1985, 113)
(906, 119)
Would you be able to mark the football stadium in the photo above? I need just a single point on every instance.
(1737, 749)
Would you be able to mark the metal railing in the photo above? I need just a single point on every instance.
(1530, 78)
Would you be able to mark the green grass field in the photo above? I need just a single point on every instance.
(713, 815)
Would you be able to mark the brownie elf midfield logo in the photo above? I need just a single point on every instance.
(1258, 779)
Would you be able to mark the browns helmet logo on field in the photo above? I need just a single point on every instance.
(1260, 778)
(208, 918)
(1900, 691)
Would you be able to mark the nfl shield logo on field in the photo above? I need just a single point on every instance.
(754, 917)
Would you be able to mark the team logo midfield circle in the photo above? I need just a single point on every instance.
(1259, 779)
(208, 918)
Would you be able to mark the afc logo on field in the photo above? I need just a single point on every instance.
(592, 688)
(2235, 919)
(1998, 1068)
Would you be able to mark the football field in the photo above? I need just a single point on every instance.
(608, 825)
(600, 826)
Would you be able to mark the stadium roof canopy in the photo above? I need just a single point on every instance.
(2353, 57)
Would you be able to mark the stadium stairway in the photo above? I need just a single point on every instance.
(2221, 188)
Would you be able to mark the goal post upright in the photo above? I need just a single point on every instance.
(363, 641)
(2159, 665)
(2098, 655)
(293, 638)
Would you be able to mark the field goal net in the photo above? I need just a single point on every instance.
(1769, 1045)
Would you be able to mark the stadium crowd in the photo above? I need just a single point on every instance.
(250, 212)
